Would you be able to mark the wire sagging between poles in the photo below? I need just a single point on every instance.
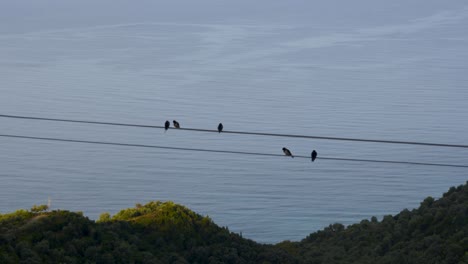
(244, 132)
(227, 151)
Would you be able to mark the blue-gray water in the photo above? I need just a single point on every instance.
(380, 71)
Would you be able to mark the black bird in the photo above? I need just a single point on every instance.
(166, 125)
(313, 155)
(176, 124)
(287, 152)
(220, 127)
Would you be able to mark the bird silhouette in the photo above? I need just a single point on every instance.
(287, 152)
(313, 155)
(176, 124)
(220, 127)
(166, 125)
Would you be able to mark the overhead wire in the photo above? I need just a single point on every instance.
(243, 132)
(226, 151)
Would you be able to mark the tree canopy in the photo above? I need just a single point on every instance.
(165, 232)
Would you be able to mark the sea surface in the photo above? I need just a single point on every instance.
(374, 70)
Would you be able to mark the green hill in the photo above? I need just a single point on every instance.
(164, 232)
(436, 232)
(153, 233)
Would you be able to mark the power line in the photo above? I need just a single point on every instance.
(228, 151)
(243, 132)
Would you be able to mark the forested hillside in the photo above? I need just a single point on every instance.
(436, 232)
(164, 232)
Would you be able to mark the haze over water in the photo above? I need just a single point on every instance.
(370, 69)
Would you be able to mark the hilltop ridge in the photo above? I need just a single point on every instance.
(165, 232)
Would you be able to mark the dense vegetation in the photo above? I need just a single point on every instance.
(153, 233)
(436, 232)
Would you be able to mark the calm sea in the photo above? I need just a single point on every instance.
(383, 77)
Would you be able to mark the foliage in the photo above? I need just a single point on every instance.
(153, 233)
(165, 232)
(436, 232)
(39, 208)
(104, 217)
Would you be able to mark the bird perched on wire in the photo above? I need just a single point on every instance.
(166, 125)
(220, 128)
(287, 152)
(176, 124)
(313, 155)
